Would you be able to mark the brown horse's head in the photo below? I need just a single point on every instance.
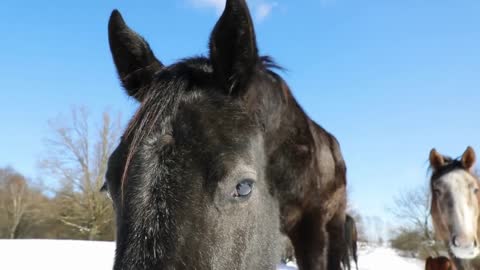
(439, 263)
(455, 202)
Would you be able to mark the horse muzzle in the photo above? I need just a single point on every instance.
(464, 247)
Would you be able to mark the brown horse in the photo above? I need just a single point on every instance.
(455, 204)
(439, 263)
(219, 159)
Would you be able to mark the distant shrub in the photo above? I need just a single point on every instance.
(414, 243)
(431, 248)
(407, 241)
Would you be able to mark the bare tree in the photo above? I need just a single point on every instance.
(15, 201)
(415, 235)
(413, 208)
(77, 159)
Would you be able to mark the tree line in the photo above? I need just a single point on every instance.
(68, 203)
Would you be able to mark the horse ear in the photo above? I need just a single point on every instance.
(233, 46)
(428, 263)
(468, 158)
(449, 265)
(436, 159)
(135, 62)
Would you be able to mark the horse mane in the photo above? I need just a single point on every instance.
(270, 64)
(162, 102)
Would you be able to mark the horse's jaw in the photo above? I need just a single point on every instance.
(466, 253)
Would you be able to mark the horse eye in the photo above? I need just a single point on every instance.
(475, 190)
(243, 189)
(104, 187)
(437, 191)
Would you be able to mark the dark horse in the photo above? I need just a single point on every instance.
(350, 249)
(220, 159)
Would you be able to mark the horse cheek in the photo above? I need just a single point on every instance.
(441, 231)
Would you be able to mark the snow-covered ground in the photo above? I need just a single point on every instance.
(55, 255)
(81, 255)
(381, 257)
(373, 257)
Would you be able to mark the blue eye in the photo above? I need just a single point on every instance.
(244, 188)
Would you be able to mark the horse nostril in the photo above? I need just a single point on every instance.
(454, 241)
(475, 244)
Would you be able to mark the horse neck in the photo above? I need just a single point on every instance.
(285, 120)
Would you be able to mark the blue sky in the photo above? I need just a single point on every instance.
(391, 79)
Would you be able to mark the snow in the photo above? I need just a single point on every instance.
(289, 266)
(81, 255)
(382, 257)
(55, 255)
(374, 257)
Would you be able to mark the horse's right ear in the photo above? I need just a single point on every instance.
(135, 62)
(468, 158)
(436, 160)
(428, 263)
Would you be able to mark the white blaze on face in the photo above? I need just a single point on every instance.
(460, 208)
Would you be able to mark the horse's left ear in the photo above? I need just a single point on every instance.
(136, 64)
(428, 263)
(468, 158)
(233, 47)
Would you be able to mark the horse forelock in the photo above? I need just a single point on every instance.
(450, 165)
(158, 106)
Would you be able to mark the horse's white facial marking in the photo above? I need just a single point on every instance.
(459, 209)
